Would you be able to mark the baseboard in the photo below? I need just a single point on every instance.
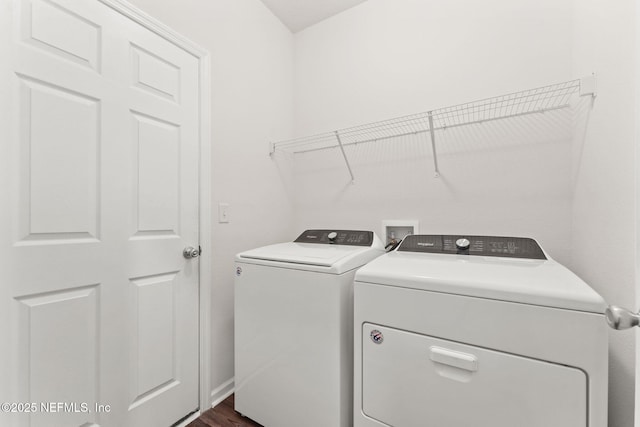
(187, 420)
(221, 392)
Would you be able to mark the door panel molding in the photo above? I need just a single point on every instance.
(41, 316)
(45, 211)
(81, 42)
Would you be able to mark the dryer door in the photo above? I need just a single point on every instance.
(416, 380)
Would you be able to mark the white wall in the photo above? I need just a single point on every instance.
(637, 217)
(604, 236)
(384, 59)
(252, 103)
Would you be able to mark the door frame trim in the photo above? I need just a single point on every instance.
(205, 263)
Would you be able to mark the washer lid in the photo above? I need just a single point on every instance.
(527, 281)
(335, 259)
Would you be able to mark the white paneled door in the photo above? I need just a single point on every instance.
(98, 198)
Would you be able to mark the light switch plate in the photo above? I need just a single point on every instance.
(223, 213)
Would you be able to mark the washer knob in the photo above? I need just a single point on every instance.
(463, 244)
(332, 236)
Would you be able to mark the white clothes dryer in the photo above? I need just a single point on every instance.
(481, 331)
(294, 328)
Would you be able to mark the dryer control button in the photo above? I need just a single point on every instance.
(463, 244)
(332, 236)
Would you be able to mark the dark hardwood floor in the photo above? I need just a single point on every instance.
(223, 415)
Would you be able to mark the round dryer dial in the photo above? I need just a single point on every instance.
(463, 244)
(332, 236)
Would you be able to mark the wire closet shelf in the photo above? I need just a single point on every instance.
(531, 101)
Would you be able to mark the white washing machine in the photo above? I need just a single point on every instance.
(480, 331)
(294, 328)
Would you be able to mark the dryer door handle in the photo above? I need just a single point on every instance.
(459, 360)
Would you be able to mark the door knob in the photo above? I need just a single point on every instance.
(621, 318)
(191, 252)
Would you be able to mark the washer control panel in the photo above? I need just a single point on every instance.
(337, 237)
(509, 247)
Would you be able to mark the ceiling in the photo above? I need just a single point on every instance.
(300, 14)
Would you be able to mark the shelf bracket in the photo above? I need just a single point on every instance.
(432, 132)
(346, 160)
(588, 86)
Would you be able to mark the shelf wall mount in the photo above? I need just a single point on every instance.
(515, 104)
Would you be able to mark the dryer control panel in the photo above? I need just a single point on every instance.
(509, 247)
(337, 237)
